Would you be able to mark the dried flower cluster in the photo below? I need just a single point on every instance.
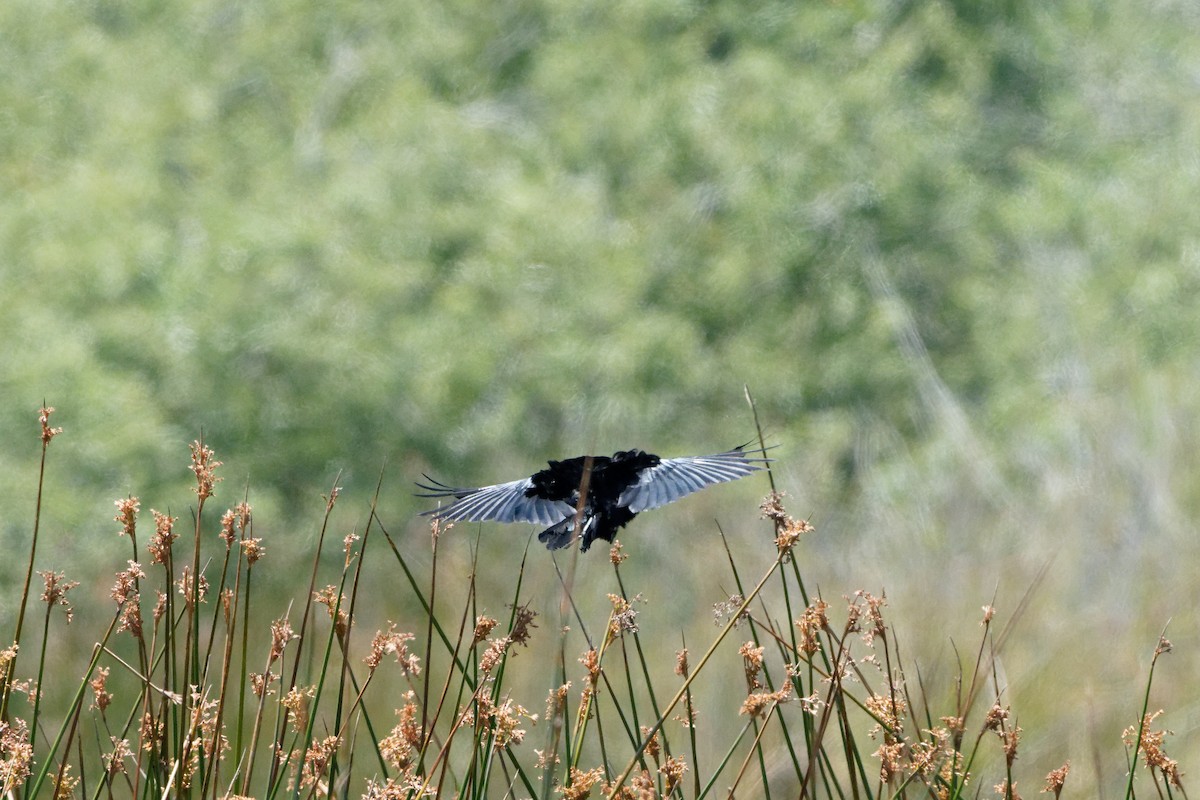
(681, 663)
(335, 604)
(253, 550)
(399, 747)
(1055, 780)
(1150, 743)
(188, 591)
(127, 509)
(752, 661)
(591, 663)
(483, 627)
(499, 723)
(866, 605)
(494, 654)
(204, 467)
(48, 433)
(114, 761)
(164, 537)
(316, 764)
(728, 608)
(624, 617)
(237, 518)
(101, 699)
(787, 529)
(296, 701)
(758, 703)
(55, 591)
(281, 634)
(394, 643)
(16, 754)
(523, 617)
(213, 743)
(814, 620)
(579, 784)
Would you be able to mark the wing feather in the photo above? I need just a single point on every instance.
(673, 478)
(502, 502)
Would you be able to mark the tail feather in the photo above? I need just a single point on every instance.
(559, 535)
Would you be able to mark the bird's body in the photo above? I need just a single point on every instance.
(617, 488)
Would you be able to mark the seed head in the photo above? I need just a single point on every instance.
(483, 627)
(204, 467)
(127, 509)
(164, 536)
(56, 590)
(523, 617)
(1056, 778)
(48, 433)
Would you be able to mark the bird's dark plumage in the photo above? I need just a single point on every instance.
(618, 489)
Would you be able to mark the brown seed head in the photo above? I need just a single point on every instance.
(56, 590)
(757, 704)
(48, 433)
(814, 620)
(204, 467)
(483, 627)
(16, 755)
(126, 585)
(591, 662)
(624, 617)
(164, 536)
(227, 534)
(186, 588)
(1056, 778)
(890, 713)
(114, 762)
(653, 747)
(579, 784)
(253, 550)
(995, 719)
(316, 762)
(296, 701)
(127, 510)
(681, 663)
(1151, 745)
(1008, 792)
(396, 644)
(100, 695)
(399, 747)
(752, 661)
(889, 754)
(1011, 739)
(494, 654)
(523, 617)
(281, 634)
(335, 604)
(728, 608)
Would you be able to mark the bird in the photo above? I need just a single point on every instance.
(617, 488)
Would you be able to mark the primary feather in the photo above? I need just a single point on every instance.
(619, 488)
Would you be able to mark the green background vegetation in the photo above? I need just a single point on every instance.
(952, 247)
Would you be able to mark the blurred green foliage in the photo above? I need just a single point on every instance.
(951, 246)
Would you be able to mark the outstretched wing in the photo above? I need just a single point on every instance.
(673, 478)
(503, 502)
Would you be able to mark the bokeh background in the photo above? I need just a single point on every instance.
(953, 248)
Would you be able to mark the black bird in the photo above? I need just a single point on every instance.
(618, 489)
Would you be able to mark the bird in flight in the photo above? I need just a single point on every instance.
(616, 490)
